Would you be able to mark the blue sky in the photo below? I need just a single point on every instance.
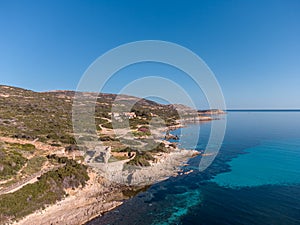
(253, 47)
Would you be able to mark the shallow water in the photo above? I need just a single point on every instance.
(255, 178)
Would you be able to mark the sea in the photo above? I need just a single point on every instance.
(254, 179)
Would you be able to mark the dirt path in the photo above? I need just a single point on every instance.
(28, 180)
(33, 178)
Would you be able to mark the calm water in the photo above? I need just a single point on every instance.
(255, 179)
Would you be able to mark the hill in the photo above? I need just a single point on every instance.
(47, 115)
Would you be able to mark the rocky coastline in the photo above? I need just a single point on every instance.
(103, 193)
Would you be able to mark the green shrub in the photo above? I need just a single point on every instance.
(25, 147)
(106, 138)
(107, 125)
(141, 159)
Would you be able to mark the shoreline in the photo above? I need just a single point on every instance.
(101, 195)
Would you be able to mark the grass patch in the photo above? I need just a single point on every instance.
(10, 163)
(24, 147)
(34, 165)
(141, 133)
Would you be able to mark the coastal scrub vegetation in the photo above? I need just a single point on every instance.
(142, 158)
(10, 163)
(49, 188)
(34, 165)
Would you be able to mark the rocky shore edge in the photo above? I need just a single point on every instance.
(101, 195)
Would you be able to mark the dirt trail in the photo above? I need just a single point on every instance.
(28, 180)
(32, 178)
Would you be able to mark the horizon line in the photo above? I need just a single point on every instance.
(280, 109)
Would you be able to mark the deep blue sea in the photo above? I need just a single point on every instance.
(255, 178)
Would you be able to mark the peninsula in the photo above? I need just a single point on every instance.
(50, 175)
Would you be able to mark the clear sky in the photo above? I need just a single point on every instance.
(253, 47)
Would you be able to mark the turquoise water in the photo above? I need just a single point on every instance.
(275, 162)
(255, 178)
